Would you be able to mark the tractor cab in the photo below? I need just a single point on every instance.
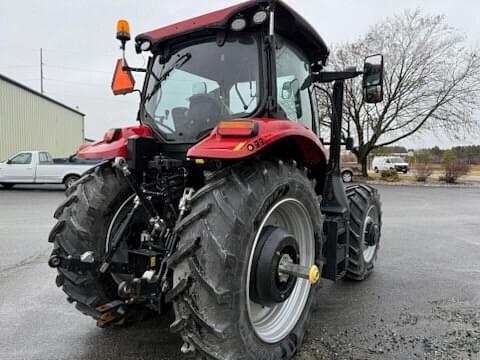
(252, 60)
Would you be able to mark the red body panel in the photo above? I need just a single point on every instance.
(103, 150)
(269, 132)
(196, 23)
(221, 147)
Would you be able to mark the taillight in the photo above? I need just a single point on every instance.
(112, 135)
(238, 128)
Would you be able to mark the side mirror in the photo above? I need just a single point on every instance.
(349, 143)
(9, 162)
(373, 79)
(123, 81)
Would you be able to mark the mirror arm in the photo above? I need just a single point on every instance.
(128, 68)
(329, 76)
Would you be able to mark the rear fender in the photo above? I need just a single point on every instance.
(104, 149)
(270, 132)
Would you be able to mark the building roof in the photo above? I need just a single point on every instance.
(24, 87)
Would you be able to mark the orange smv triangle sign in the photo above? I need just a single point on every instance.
(123, 81)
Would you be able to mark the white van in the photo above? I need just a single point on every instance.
(389, 162)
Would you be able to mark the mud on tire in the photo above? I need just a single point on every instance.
(83, 221)
(364, 202)
(211, 262)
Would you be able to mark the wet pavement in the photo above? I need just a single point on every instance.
(421, 302)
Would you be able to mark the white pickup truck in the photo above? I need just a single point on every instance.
(37, 167)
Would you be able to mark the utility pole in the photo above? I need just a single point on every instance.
(41, 71)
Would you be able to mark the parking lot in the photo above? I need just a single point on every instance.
(422, 301)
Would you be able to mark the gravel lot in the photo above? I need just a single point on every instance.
(422, 302)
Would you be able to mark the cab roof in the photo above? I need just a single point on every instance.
(287, 23)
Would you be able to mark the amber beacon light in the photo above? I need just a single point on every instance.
(123, 31)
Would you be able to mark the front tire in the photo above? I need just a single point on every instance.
(70, 180)
(365, 230)
(7, 185)
(215, 313)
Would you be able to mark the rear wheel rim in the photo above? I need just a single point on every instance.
(272, 324)
(369, 249)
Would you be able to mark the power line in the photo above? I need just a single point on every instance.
(77, 68)
(94, 84)
(63, 51)
(109, 55)
(18, 66)
(29, 79)
(119, 101)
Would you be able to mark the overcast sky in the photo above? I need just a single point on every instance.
(78, 38)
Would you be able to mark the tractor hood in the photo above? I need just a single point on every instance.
(287, 23)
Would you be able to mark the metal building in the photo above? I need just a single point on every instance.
(32, 121)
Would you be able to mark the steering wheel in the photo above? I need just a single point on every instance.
(222, 108)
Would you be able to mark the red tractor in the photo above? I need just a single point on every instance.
(223, 202)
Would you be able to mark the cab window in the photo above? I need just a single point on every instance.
(293, 71)
(22, 159)
(243, 97)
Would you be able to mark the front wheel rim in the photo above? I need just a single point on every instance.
(272, 324)
(70, 182)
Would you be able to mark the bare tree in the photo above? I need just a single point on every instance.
(432, 81)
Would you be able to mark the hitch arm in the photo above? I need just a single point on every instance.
(117, 239)
(121, 164)
(77, 264)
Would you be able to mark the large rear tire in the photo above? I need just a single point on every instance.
(215, 315)
(84, 224)
(365, 230)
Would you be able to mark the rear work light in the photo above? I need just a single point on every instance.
(238, 24)
(112, 135)
(238, 128)
(260, 16)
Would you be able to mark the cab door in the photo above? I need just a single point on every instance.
(19, 169)
(295, 100)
